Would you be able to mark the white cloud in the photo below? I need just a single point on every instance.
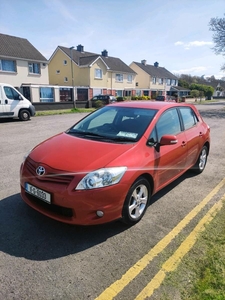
(189, 45)
(190, 70)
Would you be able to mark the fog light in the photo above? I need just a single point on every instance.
(99, 213)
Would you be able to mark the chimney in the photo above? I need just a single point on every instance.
(156, 64)
(144, 61)
(105, 53)
(80, 48)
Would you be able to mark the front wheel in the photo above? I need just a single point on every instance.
(202, 160)
(136, 201)
(24, 115)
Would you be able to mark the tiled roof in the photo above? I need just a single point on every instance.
(159, 72)
(20, 48)
(87, 58)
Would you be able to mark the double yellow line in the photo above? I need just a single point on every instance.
(114, 289)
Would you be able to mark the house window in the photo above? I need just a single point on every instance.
(57, 71)
(65, 62)
(98, 73)
(138, 92)
(160, 80)
(34, 68)
(168, 81)
(65, 79)
(46, 94)
(119, 93)
(173, 82)
(65, 94)
(119, 77)
(129, 78)
(154, 80)
(7, 65)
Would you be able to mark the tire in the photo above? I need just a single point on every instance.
(24, 115)
(201, 162)
(136, 201)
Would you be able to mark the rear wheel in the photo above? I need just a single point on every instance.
(201, 162)
(24, 115)
(136, 201)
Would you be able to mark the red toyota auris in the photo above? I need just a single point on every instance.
(109, 164)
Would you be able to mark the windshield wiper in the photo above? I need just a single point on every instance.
(85, 133)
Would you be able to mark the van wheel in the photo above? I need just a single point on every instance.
(136, 201)
(24, 115)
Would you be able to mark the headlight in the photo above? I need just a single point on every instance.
(101, 178)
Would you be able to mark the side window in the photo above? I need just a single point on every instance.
(189, 117)
(11, 93)
(168, 123)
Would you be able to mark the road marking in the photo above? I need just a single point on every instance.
(116, 287)
(174, 260)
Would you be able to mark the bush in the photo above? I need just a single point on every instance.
(120, 98)
(140, 98)
(99, 104)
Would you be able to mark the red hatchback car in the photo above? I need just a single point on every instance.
(109, 164)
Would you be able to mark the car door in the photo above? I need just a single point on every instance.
(11, 101)
(193, 132)
(170, 160)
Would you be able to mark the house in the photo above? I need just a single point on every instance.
(219, 88)
(21, 64)
(153, 80)
(82, 75)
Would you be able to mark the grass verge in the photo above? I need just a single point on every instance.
(63, 111)
(201, 274)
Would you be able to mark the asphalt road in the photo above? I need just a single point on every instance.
(44, 259)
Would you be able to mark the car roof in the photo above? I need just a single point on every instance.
(149, 104)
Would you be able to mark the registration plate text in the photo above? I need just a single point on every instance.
(38, 193)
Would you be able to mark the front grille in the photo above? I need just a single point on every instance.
(52, 175)
(59, 210)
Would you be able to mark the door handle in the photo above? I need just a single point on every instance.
(6, 101)
(183, 144)
(200, 134)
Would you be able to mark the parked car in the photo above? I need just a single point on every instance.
(105, 99)
(166, 98)
(160, 98)
(109, 164)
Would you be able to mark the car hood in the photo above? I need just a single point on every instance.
(69, 153)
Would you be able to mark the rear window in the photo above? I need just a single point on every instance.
(189, 117)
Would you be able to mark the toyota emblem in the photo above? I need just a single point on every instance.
(40, 171)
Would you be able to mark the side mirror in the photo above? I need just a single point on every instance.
(168, 140)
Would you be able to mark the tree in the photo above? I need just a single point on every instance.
(217, 26)
(195, 94)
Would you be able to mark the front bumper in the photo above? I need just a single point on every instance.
(74, 206)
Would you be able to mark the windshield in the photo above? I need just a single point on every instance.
(111, 123)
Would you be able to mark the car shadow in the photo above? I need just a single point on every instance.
(26, 233)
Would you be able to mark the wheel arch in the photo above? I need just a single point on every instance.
(207, 144)
(149, 178)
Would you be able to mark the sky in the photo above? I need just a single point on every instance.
(175, 33)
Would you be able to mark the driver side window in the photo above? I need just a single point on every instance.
(169, 123)
(11, 93)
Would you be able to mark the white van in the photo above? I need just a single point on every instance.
(13, 104)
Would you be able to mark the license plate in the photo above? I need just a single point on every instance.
(38, 193)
